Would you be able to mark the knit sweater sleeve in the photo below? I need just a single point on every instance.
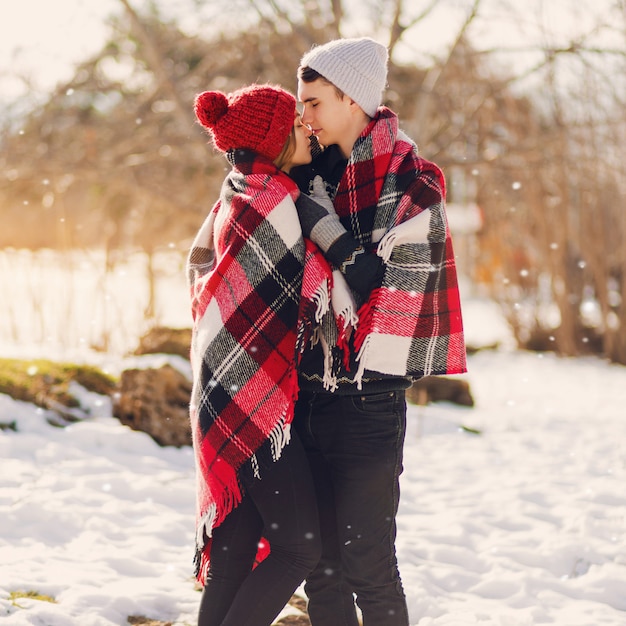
(362, 270)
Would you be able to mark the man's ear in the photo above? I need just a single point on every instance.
(354, 107)
(356, 111)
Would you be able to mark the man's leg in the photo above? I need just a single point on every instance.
(367, 462)
(355, 446)
(330, 599)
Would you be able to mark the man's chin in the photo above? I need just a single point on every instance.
(325, 141)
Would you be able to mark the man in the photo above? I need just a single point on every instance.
(388, 235)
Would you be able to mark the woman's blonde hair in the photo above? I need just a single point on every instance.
(288, 150)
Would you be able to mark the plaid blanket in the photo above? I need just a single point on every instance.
(393, 199)
(259, 293)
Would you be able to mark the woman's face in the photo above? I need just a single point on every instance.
(302, 153)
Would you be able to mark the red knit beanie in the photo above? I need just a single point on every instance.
(257, 118)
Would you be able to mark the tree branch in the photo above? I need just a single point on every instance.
(156, 63)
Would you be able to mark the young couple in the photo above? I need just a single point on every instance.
(311, 318)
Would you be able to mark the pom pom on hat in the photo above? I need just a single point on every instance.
(357, 66)
(210, 106)
(257, 118)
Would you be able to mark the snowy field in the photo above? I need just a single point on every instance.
(521, 525)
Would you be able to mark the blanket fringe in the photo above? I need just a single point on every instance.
(386, 245)
(361, 337)
(321, 297)
(365, 315)
(279, 438)
(329, 379)
(203, 543)
(254, 463)
(343, 303)
(361, 358)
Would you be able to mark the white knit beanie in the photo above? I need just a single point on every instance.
(357, 66)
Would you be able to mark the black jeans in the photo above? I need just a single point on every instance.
(281, 507)
(354, 445)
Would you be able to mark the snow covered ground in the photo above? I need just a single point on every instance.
(526, 523)
(523, 524)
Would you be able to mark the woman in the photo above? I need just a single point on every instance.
(259, 293)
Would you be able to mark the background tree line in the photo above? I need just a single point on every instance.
(114, 158)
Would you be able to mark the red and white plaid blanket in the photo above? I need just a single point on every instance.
(394, 199)
(259, 292)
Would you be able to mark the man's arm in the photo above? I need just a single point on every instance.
(362, 270)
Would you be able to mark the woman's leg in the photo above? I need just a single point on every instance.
(284, 500)
(233, 549)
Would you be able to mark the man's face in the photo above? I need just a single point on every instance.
(324, 112)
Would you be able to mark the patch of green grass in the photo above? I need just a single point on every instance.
(14, 596)
(470, 430)
(46, 383)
